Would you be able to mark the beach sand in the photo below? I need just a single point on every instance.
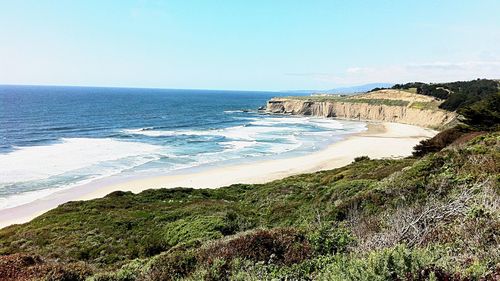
(381, 140)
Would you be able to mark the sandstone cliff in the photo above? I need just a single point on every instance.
(414, 110)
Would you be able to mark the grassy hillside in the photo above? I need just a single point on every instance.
(353, 99)
(456, 95)
(477, 100)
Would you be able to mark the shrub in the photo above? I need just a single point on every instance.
(399, 263)
(171, 266)
(27, 267)
(218, 271)
(439, 141)
(72, 272)
(483, 115)
(278, 246)
(233, 223)
(361, 158)
(153, 244)
(331, 239)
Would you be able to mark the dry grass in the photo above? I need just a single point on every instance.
(395, 95)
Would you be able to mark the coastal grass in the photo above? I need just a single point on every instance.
(436, 216)
(425, 105)
(331, 98)
(387, 102)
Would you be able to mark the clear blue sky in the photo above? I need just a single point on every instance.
(253, 45)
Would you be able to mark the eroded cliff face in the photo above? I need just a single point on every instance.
(431, 118)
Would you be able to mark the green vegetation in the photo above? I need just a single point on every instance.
(484, 114)
(443, 139)
(456, 95)
(433, 216)
(424, 105)
(379, 102)
(332, 98)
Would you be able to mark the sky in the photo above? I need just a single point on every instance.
(247, 45)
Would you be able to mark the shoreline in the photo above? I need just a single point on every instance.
(381, 140)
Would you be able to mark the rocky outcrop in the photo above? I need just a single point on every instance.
(431, 118)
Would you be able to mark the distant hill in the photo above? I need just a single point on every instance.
(357, 89)
(346, 90)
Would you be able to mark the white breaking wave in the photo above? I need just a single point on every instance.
(26, 197)
(256, 127)
(237, 145)
(42, 162)
(165, 133)
(317, 122)
(249, 132)
(237, 132)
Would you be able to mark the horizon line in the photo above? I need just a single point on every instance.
(138, 88)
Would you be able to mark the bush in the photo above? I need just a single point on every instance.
(27, 267)
(283, 246)
(73, 272)
(171, 266)
(153, 244)
(439, 141)
(483, 115)
(361, 158)
(331, 239)
(399, 263)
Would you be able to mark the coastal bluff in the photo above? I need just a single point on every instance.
(385, 105)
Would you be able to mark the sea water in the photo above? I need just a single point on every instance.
(53, 138)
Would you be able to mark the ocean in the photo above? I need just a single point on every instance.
(52, 138)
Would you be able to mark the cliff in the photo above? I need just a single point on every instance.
(388, 106)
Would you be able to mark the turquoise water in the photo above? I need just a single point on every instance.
(57, 137)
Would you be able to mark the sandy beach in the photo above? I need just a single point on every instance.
(381, 140)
